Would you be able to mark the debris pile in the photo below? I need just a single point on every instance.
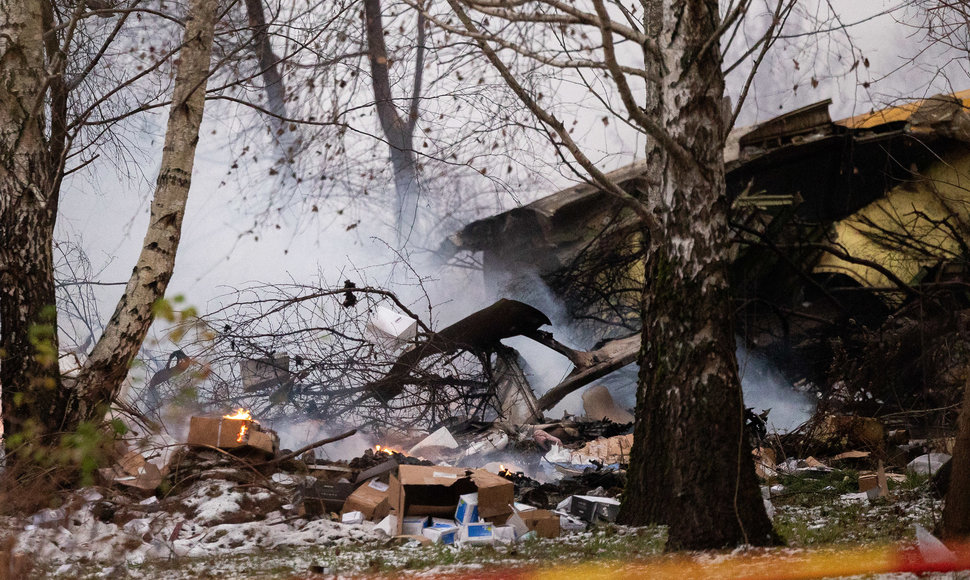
(230, 489)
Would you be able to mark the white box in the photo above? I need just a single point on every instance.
(352, 518)
(476, 533)
(467, 511)
(414, 524)
(388, 525)
(504, 534)
(441, 535)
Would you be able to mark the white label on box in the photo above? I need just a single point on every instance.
(445, 475)
(378, 485)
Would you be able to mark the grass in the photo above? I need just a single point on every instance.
(810, 513)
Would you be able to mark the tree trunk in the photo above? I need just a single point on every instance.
(273, 86)
(956, 510)
(107, 366)
(398, 131)
(28, 205)
(690, 465)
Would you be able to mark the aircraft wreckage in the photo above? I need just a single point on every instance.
(838, 223)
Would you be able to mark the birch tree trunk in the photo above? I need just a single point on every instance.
(102, 375)
(690, 466)
(29, 376)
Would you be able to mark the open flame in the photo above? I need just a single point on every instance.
(386, 450)
(240, 415)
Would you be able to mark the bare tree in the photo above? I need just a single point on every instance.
(398, 128)
(657, 68)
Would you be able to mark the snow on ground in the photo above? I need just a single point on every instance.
(212, 517)
(218, 527)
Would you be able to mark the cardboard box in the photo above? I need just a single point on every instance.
(476, 533)
(370, 499)
(132, 471)
(495, 494)
(543, 522)
(412, 525)
(504, 534)
(225, 434)
(435, 491)
(441, 535)
(868, 481)
(428, 490)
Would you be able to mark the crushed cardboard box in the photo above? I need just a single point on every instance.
(132, 471)
(436, 490)
(607, 450)
(543, 523)
(372, 500)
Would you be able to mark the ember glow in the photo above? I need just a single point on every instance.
(240, 415)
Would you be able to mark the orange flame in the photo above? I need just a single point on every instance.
(240, 415)
(385, 450)
(242, 432)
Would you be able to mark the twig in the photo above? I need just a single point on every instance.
(303, 450)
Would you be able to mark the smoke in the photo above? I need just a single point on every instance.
(294, 435)
(765, 388)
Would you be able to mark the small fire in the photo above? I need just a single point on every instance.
(386, 450)
(242, 433)
(240, 415)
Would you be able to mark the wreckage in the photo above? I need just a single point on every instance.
(838, 225)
